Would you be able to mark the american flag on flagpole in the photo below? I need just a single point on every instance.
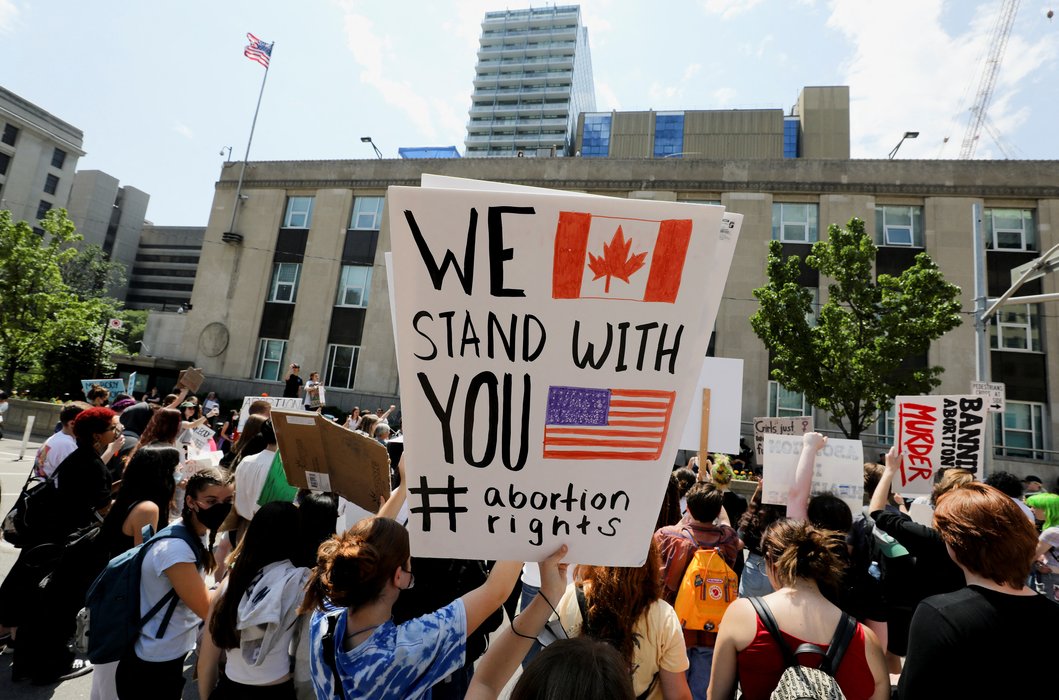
(583, 423)
(258, 50)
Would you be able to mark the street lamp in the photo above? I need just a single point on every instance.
(367, 139)
(908, 135)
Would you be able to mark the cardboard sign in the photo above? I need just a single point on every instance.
(839, 469)
(799, 425)
(322, 456)
(724, 378)
(550, 348)
(287, 404)
(114, 386)
(201, 436)
(191, 378)
(935, 433)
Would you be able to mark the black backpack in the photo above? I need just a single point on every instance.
(31, 520)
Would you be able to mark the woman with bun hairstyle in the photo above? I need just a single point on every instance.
(799, 560)
(154, 665)
(351, 594)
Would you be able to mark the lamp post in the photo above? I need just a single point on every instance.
(367, 139)
(229, 150)
(908, 135)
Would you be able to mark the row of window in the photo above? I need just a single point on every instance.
(339, 371)
(367, 213)
(354, 284)
(899, 225)
(1019, 431)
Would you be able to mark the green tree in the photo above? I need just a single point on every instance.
(855, 358)
(38, 310)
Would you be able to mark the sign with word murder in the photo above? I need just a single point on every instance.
(935, 433)
(799, 425)
(114, 386)
(838, 469)
(550, 348)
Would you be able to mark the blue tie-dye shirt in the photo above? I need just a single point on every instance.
(401, 662)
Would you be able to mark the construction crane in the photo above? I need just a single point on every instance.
(991, 68)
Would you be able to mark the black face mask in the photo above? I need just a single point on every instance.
(214, 516)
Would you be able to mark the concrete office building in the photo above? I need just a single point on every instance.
(38, 156)
(163, 272)
(818, 127)
(532, 80)
(108, 215)
(294, 290)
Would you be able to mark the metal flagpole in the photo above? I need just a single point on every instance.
(253, 124)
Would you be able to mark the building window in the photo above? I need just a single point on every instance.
(354, 285)
(341, 365)
(1020, 431)
(1010, 229)
(299, 212)
(1017, 327)
(51, 183)
(367, 213)
(794, 223)
(669, 135)
(42, 209)
(58, 158)
(284, 288)
(5, 160)
(595, 140)
(814, 306)
(269, 358)
(884, 427)
(791, 126)
(10, 134)
(784, 403)
(899, 226)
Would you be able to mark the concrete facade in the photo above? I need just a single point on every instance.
(233, 279)
(163, 272)
(38, 156)
(110, 216)
(533, 78)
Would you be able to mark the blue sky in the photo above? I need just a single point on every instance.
(160, 87)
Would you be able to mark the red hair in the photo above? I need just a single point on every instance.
(988, 534)
(90, 422)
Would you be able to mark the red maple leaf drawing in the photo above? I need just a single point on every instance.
(616, 260)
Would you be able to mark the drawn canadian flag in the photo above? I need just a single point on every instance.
(604, 257)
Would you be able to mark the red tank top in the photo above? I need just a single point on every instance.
(761, 665)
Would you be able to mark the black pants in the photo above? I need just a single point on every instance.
(227, 689)
(137, 679)
(20, 584)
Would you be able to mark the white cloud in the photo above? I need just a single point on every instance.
(606, 99)
(729, 8)
(8, 15)
(691, 71)
(925, 81)
(184, 130)
(723, 97)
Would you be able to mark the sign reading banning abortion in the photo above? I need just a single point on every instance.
(550, 347)
(935, 433)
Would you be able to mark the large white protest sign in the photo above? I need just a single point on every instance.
(114, 386)
(724, 378)
(550, 346)
(201, 436)
(285, 403)
(799, 425)
(937, 432)
(838, 469)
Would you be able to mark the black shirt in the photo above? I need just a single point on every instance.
(290, 389)
(84, 487)
(935, 572)
(979, 643)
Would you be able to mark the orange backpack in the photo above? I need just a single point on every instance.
(708, 587)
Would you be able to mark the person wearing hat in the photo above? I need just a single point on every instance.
(293, 387)
(1033, 484)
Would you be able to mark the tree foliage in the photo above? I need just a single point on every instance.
(860, 352)
(38, 309)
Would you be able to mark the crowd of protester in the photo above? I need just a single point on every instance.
(279, 596)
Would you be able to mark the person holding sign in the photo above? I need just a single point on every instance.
(313, 389)
(996, 614)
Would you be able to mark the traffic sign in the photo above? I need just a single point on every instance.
(994, 393)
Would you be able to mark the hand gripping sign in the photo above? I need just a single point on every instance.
(549, 344)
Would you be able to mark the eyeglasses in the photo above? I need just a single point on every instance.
(411, 580)
(117, 428)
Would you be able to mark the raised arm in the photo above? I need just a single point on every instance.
(487, 598)
(506, 653)
(392, 506)
(798, 495)
(882, 490)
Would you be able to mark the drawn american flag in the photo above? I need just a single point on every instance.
(585, 423)
(258, 50)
